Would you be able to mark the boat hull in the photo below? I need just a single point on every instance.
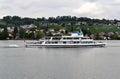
(66, 45)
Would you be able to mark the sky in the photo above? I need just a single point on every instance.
(108, 9)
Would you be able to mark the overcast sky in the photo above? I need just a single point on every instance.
(108, 9)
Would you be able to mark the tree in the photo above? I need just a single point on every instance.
(16, 20)
(7, 19)
(39, 35)
(15, 32)
(2, 24)
(22, 33)
(4, 34)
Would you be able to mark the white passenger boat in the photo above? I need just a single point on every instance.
(74, 41)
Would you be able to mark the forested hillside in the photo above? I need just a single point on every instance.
(15, 27)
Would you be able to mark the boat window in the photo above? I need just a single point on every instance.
(83, 42)
(84, 38)
(56, 38)
(64, 42)
(76, 38)
(76, 42)
(56, 42)
(90, 42)
(87, 42)
(69, 38)
(53, 42)
(64, 38)
(47, 42)
(47, 38)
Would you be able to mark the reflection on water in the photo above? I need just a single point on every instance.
(59, 63)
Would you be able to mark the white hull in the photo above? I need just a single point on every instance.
(66, 45)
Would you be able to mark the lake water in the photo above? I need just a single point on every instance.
(59, 63)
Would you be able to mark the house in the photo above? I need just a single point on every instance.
(27, 27)
(118, 23)
(51, 30)
(1, 29)
(68, 23)
(10, 29)
(62, 30)
(52, 24)
(56, 33)
(78, 23)
(81, 23)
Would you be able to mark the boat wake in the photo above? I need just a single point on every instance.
(10, 46)
(114, 46)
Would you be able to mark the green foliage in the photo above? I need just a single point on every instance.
(2, 24)
(56, 28)
(4, 34)
(22, 33)
(15, 32)
(39, 35)
(88, 26)
(68, 28)
(16, 20)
